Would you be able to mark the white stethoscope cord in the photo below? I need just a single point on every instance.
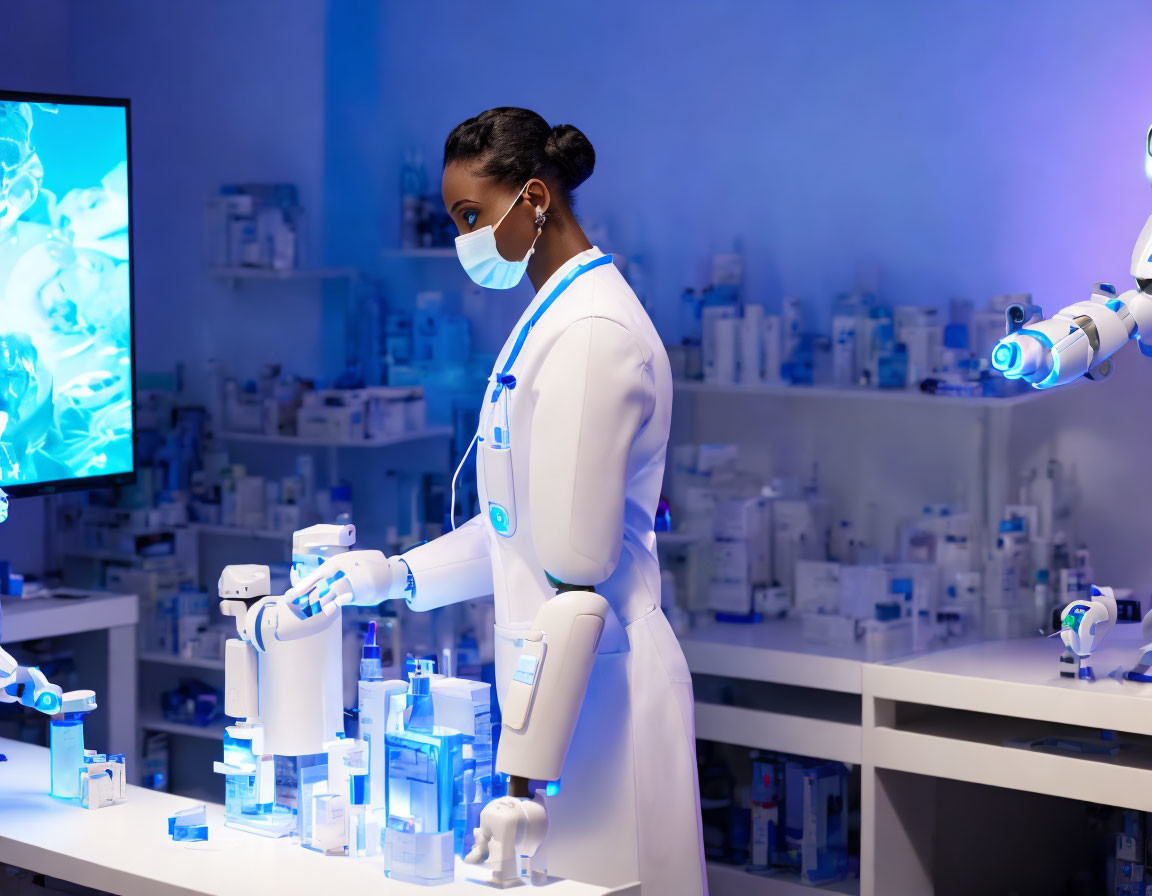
(452, 506)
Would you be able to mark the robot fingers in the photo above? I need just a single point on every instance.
(479, 852)
(78, 701)
(339, 595)
(39, 693)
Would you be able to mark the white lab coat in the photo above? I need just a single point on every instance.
(589, 421)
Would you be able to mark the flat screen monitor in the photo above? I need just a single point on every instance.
(66, 312)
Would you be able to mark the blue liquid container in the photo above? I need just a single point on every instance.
(425, 784)
(66, 743)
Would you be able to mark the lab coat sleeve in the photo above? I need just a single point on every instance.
(454, 567)
(593, 395)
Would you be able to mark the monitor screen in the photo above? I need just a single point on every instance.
(66, 362)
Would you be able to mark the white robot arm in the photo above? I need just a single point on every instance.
(28, 686)
(577, 482)
(578, 472)
(510, 828)
(1080, 340)
(455, 567)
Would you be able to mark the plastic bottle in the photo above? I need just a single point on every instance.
(66, 740)
(371, 668)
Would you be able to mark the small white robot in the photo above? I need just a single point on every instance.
(284, 670)
(1084, 624)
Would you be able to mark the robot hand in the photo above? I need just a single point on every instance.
(509, 828)
(28, 686)
(361, 578)
(1077, 341)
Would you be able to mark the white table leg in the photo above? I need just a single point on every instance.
(120, 702)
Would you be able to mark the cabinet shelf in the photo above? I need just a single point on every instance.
(433, 432)
(243, 273)
(835, 393)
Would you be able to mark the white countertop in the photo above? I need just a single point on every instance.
(1021, 678)
(775, 651)
(125, 849)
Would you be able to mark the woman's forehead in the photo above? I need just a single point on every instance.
(463, 179)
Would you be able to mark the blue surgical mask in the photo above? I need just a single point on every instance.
(483, 262)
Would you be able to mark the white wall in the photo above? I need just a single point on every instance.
(221, 93)
(967, 148)
(35, 57)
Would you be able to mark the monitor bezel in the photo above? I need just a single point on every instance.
(51, 487)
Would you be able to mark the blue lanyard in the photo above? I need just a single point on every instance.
(504, 377)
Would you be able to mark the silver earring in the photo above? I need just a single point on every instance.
(539, 216)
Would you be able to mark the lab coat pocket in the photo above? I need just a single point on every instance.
(500, 494)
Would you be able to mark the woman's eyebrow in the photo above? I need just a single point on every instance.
(459, 202)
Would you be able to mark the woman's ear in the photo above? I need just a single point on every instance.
(536, 192)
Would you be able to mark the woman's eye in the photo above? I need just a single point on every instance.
(470, 216)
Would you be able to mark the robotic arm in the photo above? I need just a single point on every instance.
(28, 686)
(1080, 340)
(577, 481)
(457, 566)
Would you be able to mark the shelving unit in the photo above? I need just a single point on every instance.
(259, 438)
(236, 274)
(976, 455)
(953, 715)
(240, 532)
(773, 652)
(841, 393)
(795, 734)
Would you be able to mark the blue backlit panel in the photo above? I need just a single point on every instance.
(65, 293)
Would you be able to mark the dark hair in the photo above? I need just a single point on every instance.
(516, 145)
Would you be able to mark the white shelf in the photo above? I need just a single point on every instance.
(243, 273)
(833, 393)
(1021, 679)
(773, 652)
(171, 659)
(798, 735)
(973, 750)
(729, 880)
(158, 723)
(49, 617)
(240, 532)
(433, 432)
(437, 252)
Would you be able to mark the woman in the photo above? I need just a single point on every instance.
(570, 459)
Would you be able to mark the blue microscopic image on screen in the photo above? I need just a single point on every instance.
(65, 293)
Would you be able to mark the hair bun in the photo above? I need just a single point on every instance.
(572, 154)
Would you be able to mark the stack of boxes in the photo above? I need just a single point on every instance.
(799, 822)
